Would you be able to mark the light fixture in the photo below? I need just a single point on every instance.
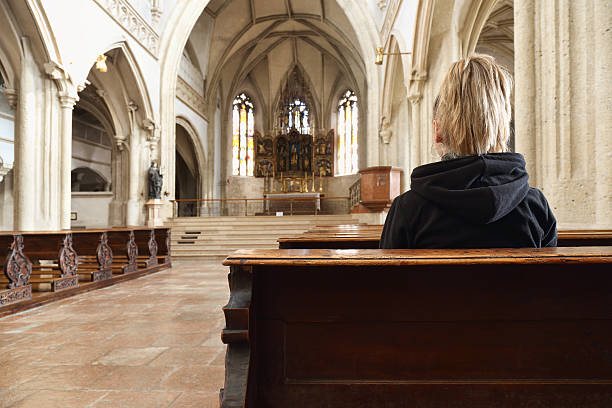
(101, 63)
(380, 53)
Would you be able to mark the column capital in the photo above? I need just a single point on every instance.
(64, 83)
(11, 96)
(415, 98)
(67, 101)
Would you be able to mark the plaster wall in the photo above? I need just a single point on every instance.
(90, 155)
(92, 209)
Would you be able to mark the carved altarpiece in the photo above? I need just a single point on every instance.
(294, 155)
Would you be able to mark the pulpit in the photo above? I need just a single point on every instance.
(379, 186)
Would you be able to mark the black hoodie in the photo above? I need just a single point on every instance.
(471, 202)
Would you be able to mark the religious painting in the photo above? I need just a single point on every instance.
(264, 168)
(324, 154)
(324, 168)
(265, 145)
(282, 154)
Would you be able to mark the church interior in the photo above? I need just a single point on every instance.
(192, 196)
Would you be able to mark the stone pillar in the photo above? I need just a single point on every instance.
(25, 144)
(563, 120)
(67, 103)
(133, 205)
(415, 145)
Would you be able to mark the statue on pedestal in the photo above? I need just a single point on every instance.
(155, 181)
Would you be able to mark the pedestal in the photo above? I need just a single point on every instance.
(154, 218)
(379, 186)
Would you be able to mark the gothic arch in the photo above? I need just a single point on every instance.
(175, 36)
(196, 141)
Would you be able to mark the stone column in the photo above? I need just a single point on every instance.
(525, 78)
(25, 144)
(415, 145)
(563, 120)
(67, 103)
(133, 210)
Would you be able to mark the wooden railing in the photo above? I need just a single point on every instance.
(355, 193)
(196, 205)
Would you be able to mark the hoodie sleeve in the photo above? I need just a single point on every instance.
(394, 235)
(550, 236)
(545, 219)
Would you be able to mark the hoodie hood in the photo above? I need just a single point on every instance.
(480, 189)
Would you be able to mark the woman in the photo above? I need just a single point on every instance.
(477, 196)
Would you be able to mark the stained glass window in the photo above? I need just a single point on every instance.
(242, 141)
(297, 116)
(348, 127)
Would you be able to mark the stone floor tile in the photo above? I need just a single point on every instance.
(137, 399)
(67, 378)
(138, 378)
(190, 339)
(59, 399)
(185, 356)
(197, 400)
(194, 378)
(15, 373)
(10, 397)
(130, 356)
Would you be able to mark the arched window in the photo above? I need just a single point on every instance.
(297, 116)
(242, 143)
(348, 127)
(86, 179)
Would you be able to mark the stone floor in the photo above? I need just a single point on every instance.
(149, 342)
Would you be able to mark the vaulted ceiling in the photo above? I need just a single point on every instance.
(260, 41)
(497, 36)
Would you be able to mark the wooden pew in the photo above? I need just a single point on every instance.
(125, 250)
(419, 328)
(54, 260)
(162, 235)
(95, 254)
(17, 269)
(368, 237)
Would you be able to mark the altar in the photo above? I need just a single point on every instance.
(293, 203)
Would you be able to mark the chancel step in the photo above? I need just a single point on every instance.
(218, 237)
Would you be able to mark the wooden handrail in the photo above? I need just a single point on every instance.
(259, 199)
(246, 200)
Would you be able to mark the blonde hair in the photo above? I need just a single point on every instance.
(473, 108)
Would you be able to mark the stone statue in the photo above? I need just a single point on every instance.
(385, 131)
(155, 181)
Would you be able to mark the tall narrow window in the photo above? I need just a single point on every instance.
(242, 142)
(297, 117)
(348, 118)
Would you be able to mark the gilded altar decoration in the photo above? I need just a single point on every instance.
(294, 151)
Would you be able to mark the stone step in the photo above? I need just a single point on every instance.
(218, 237)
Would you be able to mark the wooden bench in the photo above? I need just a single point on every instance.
(368, 237)
(419, 328)
(54, 260)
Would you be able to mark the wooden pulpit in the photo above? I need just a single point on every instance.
(379, 186)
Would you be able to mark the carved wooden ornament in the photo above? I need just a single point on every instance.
(104, 252)
(68, 259)
(132, 249)
(152, 245)
(18, 267)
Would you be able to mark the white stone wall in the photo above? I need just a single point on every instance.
(92, 209)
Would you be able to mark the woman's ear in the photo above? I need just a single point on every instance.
(437, 132)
